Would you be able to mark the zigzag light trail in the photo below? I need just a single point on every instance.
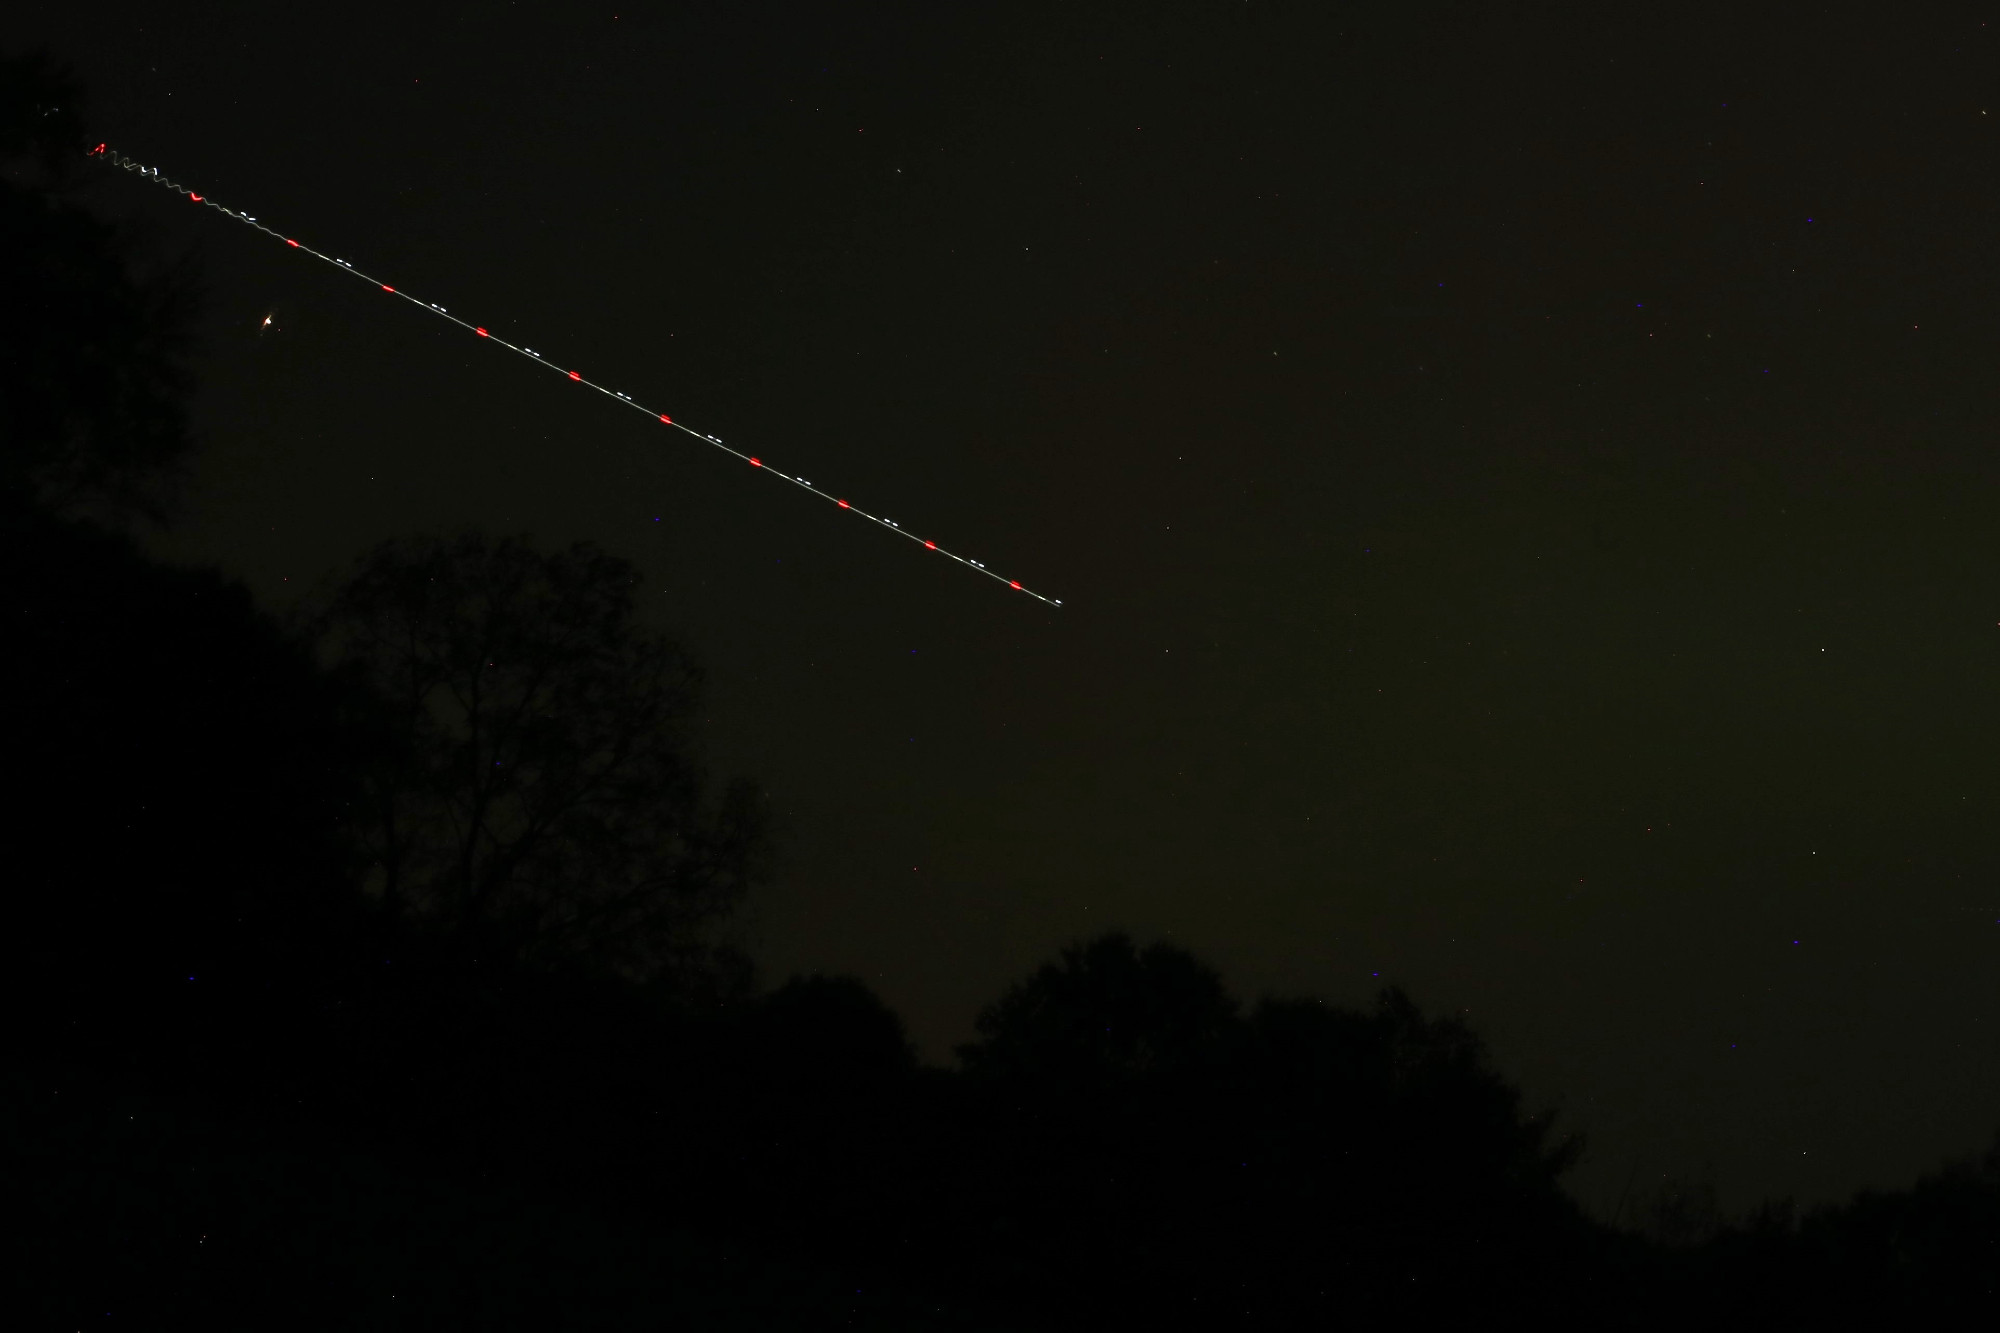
(152, 174)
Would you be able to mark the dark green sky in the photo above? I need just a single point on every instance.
(1522, 485)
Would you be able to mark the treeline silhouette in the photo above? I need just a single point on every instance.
(362, 971)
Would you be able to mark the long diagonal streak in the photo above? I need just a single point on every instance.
(153, 174)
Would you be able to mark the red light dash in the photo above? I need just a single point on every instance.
(153, 175)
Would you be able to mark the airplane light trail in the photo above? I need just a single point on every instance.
(152, 174)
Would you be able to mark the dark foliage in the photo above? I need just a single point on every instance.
(92, 407)
(177, 782)
(1926, 1255)
(533, 794)
(1284, 1167)
(243, 1091)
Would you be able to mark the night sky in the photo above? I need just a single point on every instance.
(1522, 485)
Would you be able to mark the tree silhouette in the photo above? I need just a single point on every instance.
(1105, 1012)
(1141, 1135)
(535, 793)
(232, 1088)
(92, 409)
(175, 777)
